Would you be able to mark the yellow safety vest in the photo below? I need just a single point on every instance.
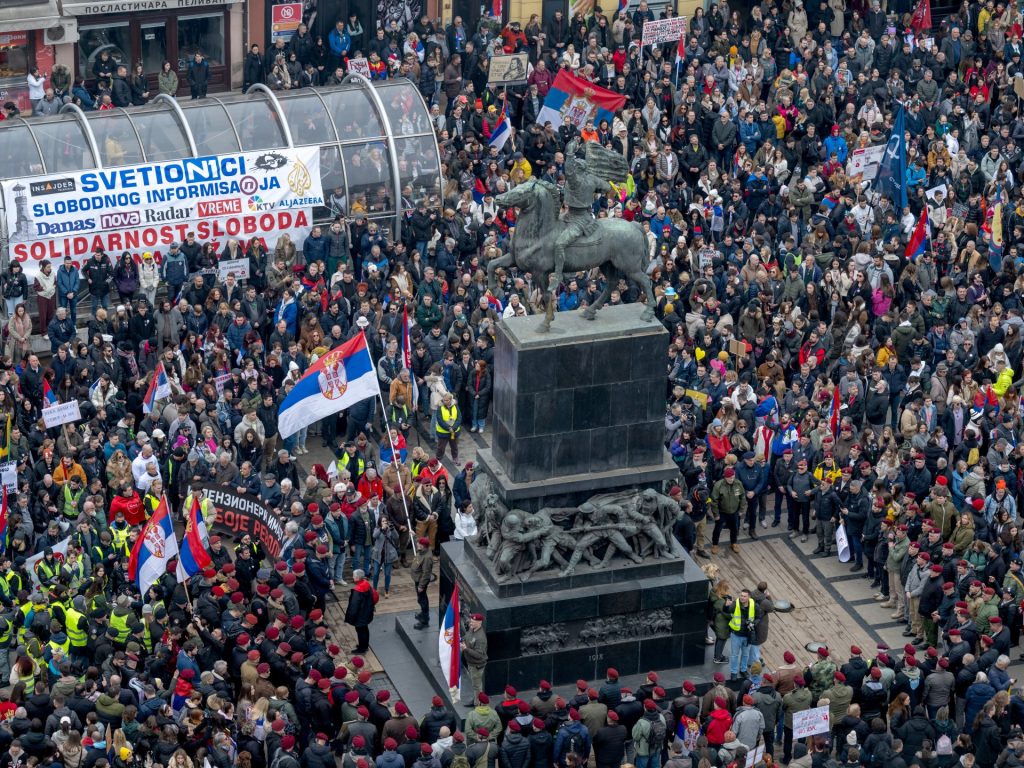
(63, 646)
(5, 631)
(76, 635)
(13, 579)
(120, 623)
(119, 538)
(448, 415)
(45, 571)
(344, 461)
(736, 622)
(70, 509)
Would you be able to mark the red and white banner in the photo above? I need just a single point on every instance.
(268, 226)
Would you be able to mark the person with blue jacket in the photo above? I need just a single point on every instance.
(836, 143)
(68, 281)
(753, 476)
(339, 42)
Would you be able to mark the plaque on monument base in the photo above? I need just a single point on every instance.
(634, 617)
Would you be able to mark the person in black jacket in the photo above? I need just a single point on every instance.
(253, 68)
(98, 273)
(359, 613)
(120, 91)
(515, 748)
(610, 742)
(198, 76)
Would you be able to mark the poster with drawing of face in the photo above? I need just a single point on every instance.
(402, 12)
(508, 70)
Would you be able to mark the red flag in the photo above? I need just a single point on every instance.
(833, 413)
(922, 18)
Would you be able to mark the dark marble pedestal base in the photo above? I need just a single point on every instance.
(648, 616)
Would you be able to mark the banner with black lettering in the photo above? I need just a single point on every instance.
(239, 514)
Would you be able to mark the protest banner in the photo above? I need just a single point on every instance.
(510, 69)
(359, 66)
(810, 722)
(864, 162)
(9, 476)
(62, 413)
(239, 514)
(240, 267)
(664, 30)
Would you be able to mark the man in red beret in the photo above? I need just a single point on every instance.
(474, 651)
(899, 545)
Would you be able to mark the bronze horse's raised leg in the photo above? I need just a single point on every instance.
(546, 279)
(505, 260)
(611, 274)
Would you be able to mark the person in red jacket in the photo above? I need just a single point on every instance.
(130, 503)
(719, 721)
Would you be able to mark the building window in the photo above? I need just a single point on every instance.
(14, 55)
(201, 34)
(114, 39)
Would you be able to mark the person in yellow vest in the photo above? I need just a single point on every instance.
(449, 424)
(744, 616)
(48, 568)
(352, 461)
(6, 630)
(32, 613)
(57, 648)
(76, 625)
(122, 620)
(71, 497)
(828, 468)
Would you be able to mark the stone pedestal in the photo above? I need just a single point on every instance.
(632, 617)
(577, 410)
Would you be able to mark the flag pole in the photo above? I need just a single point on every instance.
(387, 429)
(177, 568)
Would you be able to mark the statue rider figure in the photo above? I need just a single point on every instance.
(578, 194)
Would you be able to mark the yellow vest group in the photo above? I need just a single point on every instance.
(448, 416)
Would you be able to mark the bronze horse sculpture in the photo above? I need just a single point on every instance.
(618, 247)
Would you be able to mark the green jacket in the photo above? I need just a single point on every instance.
(897, 553)
(728, 499)
(839, 696)
(483, 717)
(987, 611)
(167, 82)
(797, 700)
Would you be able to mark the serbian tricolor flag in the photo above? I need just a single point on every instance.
(407, 356)
(922, 18)
(48, 397)
(579, 100)
(496, 9)
(919, 238)
(159, 388)
(479, 190)
(194, 557)
(502, 131)
(833, 412)
(623, 5)
(449, 647)
(154, 549)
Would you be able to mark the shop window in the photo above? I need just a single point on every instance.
(14, 58)
(154, 47)
(112, 39)
(201, 34)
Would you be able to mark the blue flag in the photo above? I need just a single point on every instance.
(892, 174)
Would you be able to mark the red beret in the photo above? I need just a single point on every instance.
(876, 673)
(718, 677)
(688, 686)
(481, 731)
(436, 702)
(855, 650)
(363, 711)
(840, 677)
(823, 652)
(729, 472)
(612, 673)
(243, 639)
(237, 598)
(515, 726)
(287, 741)
(364, 676)
(227, 569)
(357, 741)
(285, 647)
(390, 743)
(788, 657)
(352, 697)
(574, 713)
(936, 569)
(510, 691)
(411, 732)
(720, 702)
(401, 709)
(544, 685)
(948, 585)
(649, 705)
(911, 661)
(799, 680)
(263, 669)
(941, 480)
(297, 657)
(748, 700)
(324, 684)
(383, 695)
(978, 504)
(613, 715)
(253, 655)
(278, 725)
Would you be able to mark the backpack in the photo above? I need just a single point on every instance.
(575, 744)
(656, 734)
(460, 761)
(944, 746)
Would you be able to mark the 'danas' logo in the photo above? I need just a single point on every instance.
(298, 179)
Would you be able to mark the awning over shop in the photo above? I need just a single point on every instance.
(99, 7)
(24, 16)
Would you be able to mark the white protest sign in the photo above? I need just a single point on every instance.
(240, 267)
(664, 30)
(359, 66)
(810, 722)
(865, 162)
(61, 413)
(755, 756)
(9, 476)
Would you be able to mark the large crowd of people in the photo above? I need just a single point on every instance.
(820, 375)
